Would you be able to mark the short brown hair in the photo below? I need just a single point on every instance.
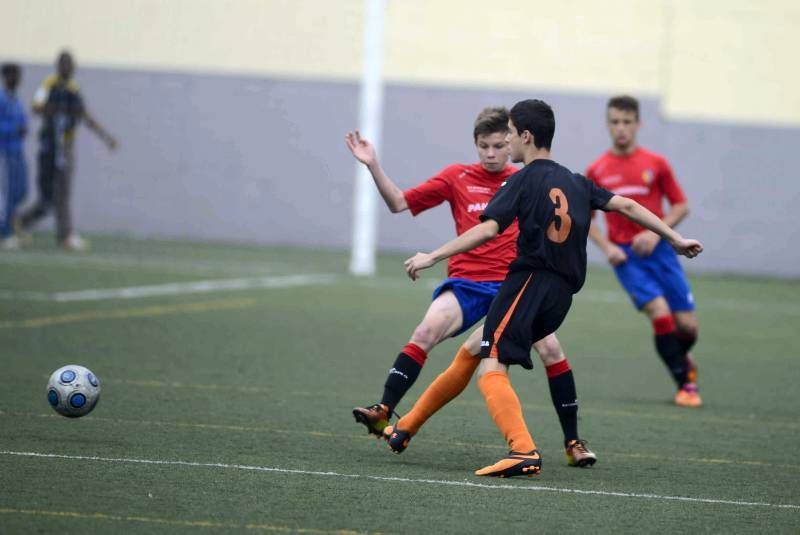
(624, 103)
(491, 121)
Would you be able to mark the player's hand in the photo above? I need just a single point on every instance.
(362, 149)
(687, 247)
(645, 242)
(417, 263)
(616, 255)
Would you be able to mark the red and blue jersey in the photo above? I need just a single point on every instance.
(645, 177)
(468, 189)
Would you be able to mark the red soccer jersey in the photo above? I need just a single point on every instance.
(468, 189)
(645, 177)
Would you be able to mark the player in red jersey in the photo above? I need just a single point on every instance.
(646, 266)
(463, 299)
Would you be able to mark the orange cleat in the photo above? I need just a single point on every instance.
(514, 464)
(688, 396)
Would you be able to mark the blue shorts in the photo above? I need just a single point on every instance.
(657, 275)
(473, 297)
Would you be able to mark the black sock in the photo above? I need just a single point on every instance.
(562, 392)
(671, 351)
(687, 342)
(401, 377)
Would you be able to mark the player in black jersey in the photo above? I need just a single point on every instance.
(553, 206)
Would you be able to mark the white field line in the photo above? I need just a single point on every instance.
(181, 288)
(441, 482)
(730, 305)
(119, 262)
(594, 296)
(614, 297)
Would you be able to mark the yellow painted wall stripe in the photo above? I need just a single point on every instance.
(716, 59)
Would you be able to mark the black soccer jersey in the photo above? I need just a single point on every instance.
(554, 208)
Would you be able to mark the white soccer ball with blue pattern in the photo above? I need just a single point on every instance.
(73, 391)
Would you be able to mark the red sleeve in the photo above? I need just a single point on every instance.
(590, 172)
(669, 186)
(430, 193)
(590, 176)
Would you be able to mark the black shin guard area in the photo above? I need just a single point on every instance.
(671, 352)
(401, 377)
(564, 396)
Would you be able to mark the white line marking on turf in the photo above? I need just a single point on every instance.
(162, 263)
(618, 297)
(178, 288)
(735, 305)
(362, 437)
(541, 488)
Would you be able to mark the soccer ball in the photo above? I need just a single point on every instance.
(73, 391)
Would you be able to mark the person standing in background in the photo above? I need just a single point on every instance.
(60, 104)
(646, 266)
(13, 171)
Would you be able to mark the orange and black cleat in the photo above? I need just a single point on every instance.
(375, 418)
(688, 396)
(578, 454)
(514, 464)
(396, 438)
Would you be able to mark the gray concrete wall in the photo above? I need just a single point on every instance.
(263, 160)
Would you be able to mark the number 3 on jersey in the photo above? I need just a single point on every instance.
(558, 231)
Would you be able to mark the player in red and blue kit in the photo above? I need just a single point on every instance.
(646, 266)
(463, 299)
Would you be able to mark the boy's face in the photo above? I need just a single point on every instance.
(65, 66)
(515, 144)
(492, 151)
(623, 126)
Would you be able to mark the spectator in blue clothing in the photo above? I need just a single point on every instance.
(13, 172)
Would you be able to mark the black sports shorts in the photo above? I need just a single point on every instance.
(529, 306)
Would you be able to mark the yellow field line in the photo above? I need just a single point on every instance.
(124, 313)
(326, 435)
(170, 521)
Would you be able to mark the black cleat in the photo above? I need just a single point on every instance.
(375, 418)
(578, 454)
(396, 438)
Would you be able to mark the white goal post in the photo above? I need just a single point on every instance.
(365, 198)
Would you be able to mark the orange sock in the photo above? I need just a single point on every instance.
(506, 411)
(444, 388)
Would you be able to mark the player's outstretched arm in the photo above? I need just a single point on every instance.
(477, 235)
(365, 152)
(639, 214)
(97, 128)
